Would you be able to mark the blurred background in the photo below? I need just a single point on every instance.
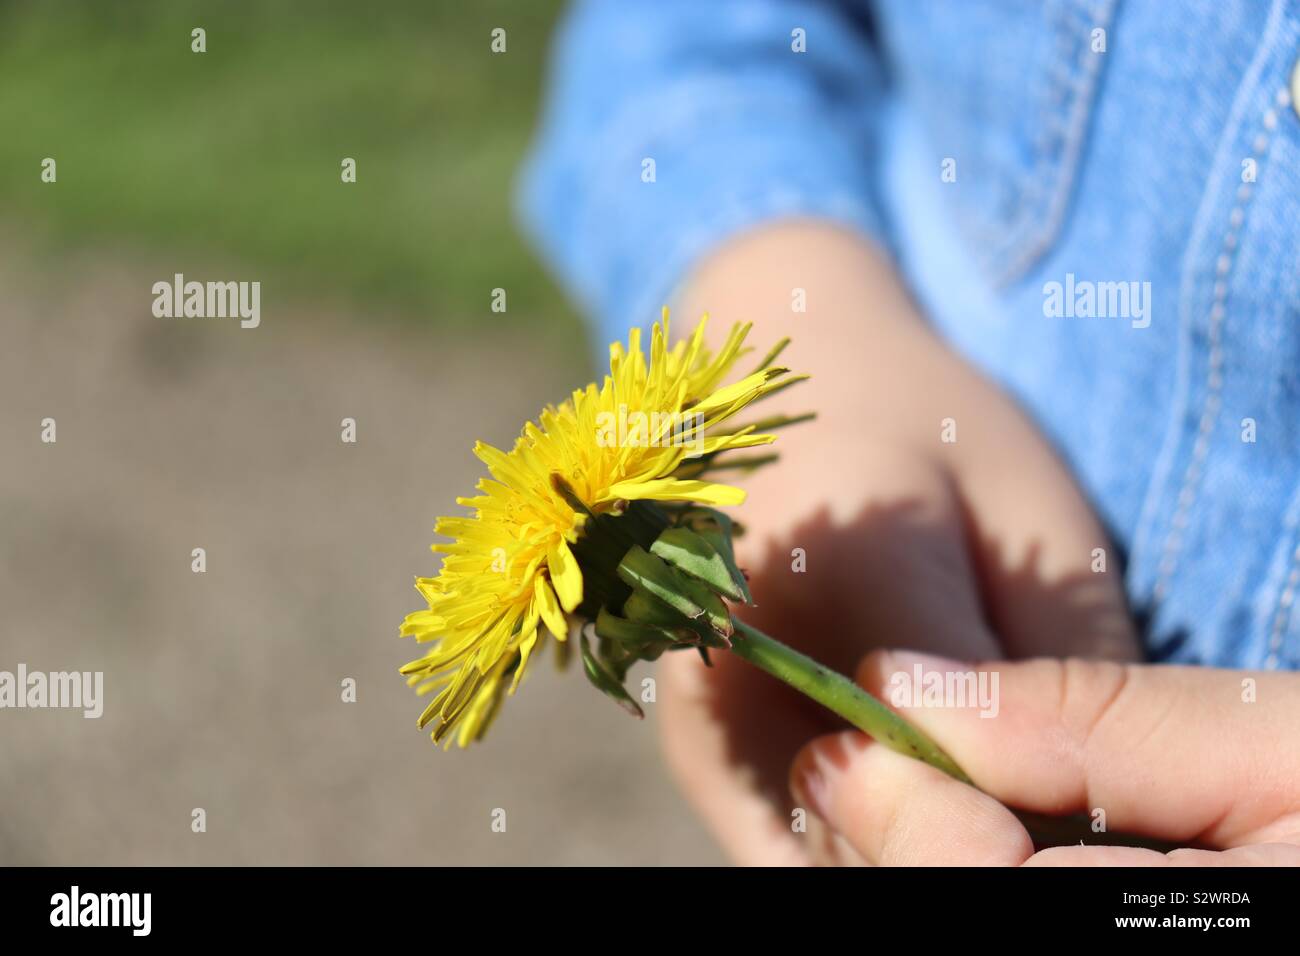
(223, 689)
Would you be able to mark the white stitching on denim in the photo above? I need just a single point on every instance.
(1282, 613)
(1147, 538)
(1214, 380)
(1080, 82)
(1055, 87)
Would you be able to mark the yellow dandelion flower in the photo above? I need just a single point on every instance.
(514, 569)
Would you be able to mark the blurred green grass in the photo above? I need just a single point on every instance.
(234, 155)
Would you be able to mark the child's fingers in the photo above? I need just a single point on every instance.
(1184, 754)
(896, 811)
(1051, 580)
(1267, 854)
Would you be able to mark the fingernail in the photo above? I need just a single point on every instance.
(809, 786)
(879, 670)
(907, 660)
(897, 672)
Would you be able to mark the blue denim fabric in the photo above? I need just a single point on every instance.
(1172, 158)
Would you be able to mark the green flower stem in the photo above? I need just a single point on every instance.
(837, 693)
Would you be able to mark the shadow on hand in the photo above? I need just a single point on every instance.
(892, 577)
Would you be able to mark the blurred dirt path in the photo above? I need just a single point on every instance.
(222, 689)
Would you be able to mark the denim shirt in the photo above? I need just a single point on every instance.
(1097, 202)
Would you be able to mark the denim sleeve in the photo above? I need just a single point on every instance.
(741, 127)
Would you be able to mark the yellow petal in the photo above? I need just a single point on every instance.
(677, 489)
(736, 391)
(566, 576)
(724, 442)
(422, 622)
(549, 608)
(525, 648)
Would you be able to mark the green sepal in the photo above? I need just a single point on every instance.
(630, 634)
(696, 556)
(717, 528)
(643, 571)
(641, 608)
(604, 681)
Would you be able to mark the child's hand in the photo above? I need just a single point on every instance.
(1186, 755)
(978, 547)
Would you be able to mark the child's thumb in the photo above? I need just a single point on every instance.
(1165, 751)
